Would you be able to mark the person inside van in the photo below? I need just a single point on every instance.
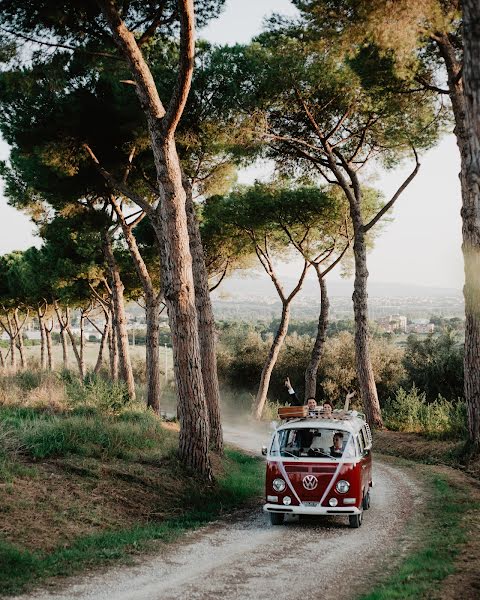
(327, 409)
(337, 449)
(311, 402)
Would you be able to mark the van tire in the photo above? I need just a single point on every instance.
(276, 518)
(355, 521)
(366, 501)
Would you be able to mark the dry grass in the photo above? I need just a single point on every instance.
(74, 497)
(49, 396)
(415, 446)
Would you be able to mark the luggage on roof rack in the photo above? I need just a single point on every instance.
(303, 412)
(293, 412)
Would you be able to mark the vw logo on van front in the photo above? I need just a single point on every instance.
(310, 482)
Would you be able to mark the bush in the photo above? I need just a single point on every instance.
(337, 373)
(410, 411)
(435, 365)
(107, 396)
(94, 436)
(241, 356)
(242, 352)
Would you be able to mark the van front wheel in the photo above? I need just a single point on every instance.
(366, 501)
(276, 518)
(355, 520)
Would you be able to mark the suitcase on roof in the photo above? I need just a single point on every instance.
(293, 412)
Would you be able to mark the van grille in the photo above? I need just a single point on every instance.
(319, 469)
(295, 469)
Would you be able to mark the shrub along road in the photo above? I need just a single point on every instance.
(244, 557)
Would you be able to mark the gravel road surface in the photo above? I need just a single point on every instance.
(245, 558)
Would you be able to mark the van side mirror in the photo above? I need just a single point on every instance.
(264, 450)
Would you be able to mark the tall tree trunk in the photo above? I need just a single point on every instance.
(82, 340)
(63, 322)
(152, 358)
(353, 193)
(366, 379)
(171, 227)
(19, 337)
(112, 348)
(2, 360)
(103, 345)
(270, 362)
(153, 301)
(13, 353)
(179, 295)
(63, 339)
(206, 325)
(48, 344)
(312, 368)
(43, 347)
(470, 179)
(76, 352)
(119, 323)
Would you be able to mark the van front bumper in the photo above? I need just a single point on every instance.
(311, 510)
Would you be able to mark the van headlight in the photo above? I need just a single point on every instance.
(342, 486)
(278, 485)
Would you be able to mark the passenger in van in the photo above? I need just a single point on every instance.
(311, 402)
(337, 449)
(327, 409)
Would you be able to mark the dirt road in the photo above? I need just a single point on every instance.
(245, 558)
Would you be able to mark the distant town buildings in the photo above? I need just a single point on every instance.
(392, 324)
(421, 326)
(400, 324)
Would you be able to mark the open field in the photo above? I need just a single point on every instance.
(91, 353)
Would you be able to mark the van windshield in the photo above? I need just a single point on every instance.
(313, 442)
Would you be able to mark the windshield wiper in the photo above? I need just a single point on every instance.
(316, 452)
(289, 453)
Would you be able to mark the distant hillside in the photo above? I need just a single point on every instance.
(236, 288)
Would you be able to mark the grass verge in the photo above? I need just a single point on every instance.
(241, 480)
(439, 536)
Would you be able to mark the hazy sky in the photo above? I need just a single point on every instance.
(420, 246)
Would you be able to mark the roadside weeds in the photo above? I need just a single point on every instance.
(443, 558)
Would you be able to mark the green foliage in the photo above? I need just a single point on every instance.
(107, 396)
(95, 436)
(300, 89)
(243, 349)
(410, 411)
(435, 365)
(9, 448)
(401, 30)
(338, 372)
(272, 220)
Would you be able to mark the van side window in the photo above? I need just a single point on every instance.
(364, 436)
(357, 446)
(361, 443)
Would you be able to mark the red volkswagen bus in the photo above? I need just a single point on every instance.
(320, 466)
